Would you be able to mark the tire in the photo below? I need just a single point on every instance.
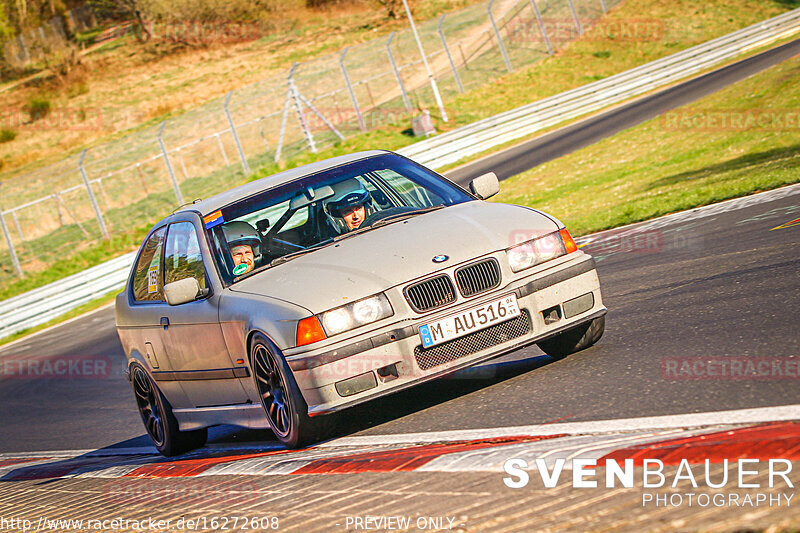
(286, 410)
(574, 340)
(158, 419)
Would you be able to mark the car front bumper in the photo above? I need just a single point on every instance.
(361, 368)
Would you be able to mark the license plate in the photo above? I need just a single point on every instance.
(468, 321)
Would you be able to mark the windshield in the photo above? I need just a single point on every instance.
(316, 210)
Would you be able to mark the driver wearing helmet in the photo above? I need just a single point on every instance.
(244, 245)
(349, 206)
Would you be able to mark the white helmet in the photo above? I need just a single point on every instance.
(346, 195)
(239, 232)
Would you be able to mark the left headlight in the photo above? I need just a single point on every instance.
(356, 314)
(539, 250)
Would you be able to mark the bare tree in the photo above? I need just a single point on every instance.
(124, 9)
(393, 7)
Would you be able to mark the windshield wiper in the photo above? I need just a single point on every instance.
(288, 257)
(408, 214)
(388, 220)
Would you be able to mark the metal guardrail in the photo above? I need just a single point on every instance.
(479, 136)
(45, 303)
(41, 305)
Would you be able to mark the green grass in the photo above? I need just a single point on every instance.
(88, 36)
(668, 164)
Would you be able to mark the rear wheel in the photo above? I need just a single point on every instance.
(158, 419)
(574, 340)
(286, 410)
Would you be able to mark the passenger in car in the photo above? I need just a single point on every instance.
(242, 254)
(244, 244)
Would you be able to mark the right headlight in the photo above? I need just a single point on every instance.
(356, 314)
(540, 250)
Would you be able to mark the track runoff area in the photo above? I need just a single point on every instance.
(719, 469)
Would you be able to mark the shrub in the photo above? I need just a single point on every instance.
(7, 135)
(38, 107)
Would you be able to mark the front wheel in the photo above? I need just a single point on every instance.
(574, 340)
(158, 419)
(286, 410)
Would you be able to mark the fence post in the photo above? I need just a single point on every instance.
(19, 228)
(178, 195)
(434, 87)
(295, 96)
(11, 251)
(284, 117)
(24, 56)
(499, 39)
(542, 28)
(95, 206)
(449, 57)
(361, 125)
(575, 17)
(245, 165)
(314, 110)
(406, 101)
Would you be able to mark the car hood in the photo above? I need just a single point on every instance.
(397, 253)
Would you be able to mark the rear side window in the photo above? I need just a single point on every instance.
(148, 279)
(182, 257)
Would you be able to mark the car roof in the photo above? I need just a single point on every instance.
(209, 205)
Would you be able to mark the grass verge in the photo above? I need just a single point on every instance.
(738, 141)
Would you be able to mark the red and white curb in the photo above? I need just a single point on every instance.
(763, 433)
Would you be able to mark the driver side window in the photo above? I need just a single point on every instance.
(182, 257)
(147, 282)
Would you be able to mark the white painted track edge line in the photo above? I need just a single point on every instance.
(688, 420)
(738, 416)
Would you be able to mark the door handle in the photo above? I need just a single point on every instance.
(164, 322)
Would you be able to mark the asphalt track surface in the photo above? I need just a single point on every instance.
(725, 286)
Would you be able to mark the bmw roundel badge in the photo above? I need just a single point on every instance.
(440, 258)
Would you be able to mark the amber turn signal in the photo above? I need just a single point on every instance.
(309, 330)
(569, 242)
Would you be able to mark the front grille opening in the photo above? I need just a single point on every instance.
(478, 277)
(473, 343)
(430, 294)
